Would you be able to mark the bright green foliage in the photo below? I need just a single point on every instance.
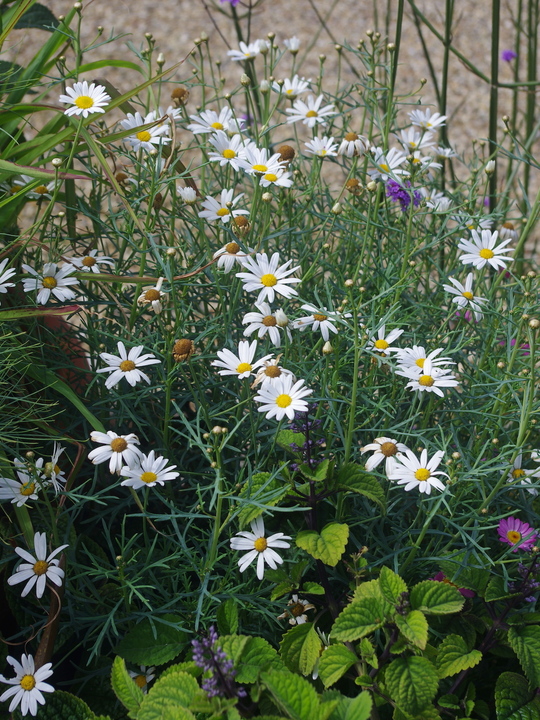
(153, 643)
(514, 700)
(353, 477)
(412, 682)
(227, 617)
(61, 706)
(496, 590)
(391, 585)
(250, 655)
(300, 648)
(38, 16)
(260, 490)
(286, 438)
(436, 598)
(360, 707)
(169, 697)
(295, 696)
(461, 571)
(327, 546)
(125, 688)
(359, 619)
(414, 627)
(334, 663)
(525, 642)
(453, 656)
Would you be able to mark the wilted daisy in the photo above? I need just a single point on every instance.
(91, 261)
(291, 87)
(40, 191)
(127, 365)
(382, 344)
(421, 474)
(148, 138)
(465, 296)
(268, 277)
(354, 145)
(19, 492)
(264, 322)
(435, 200)
(259, 547)
(148, 471)
(119, 450)
(258, 161)
(514, 531)
(318, 320)
(5, 275)
(37, 570)
(283, 397)
(271, 371)
(221, 208)
(229, 255)
(53, 280)
(416, 357)
(387, 164)
(227, 150)
(383, 448)
(310, 112)
(296, 611)
(508, 231)
(153, 296)
(143, 677)
(322, 147)
(241, 365)
(413, 140)
(188, 194)
(209, 121)
(281, 178)
(483, 250)
(524, 476)
(426, 120)
(50, 473)
(247, 52)
(85, 99)
(28, 685)
(430, 379)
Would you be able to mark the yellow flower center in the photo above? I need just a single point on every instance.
(229, 154)
(28, 488)
(89, 261)
(260, 544)
(513, 536)
(140, 680)
(426, 380)
(272, 371)
(289, 91)
(384, 167)
(143, 136)
(148, 477)
(119, 445)
(217, 126)
(41, 190)
(412, 144)
(468, 295)
(269, 321)
(40, 568)
(508, 225)
(351, 137)
(269, 280)
(49, 282)
(232, 248)
(260, 168)
(127, 365)
(84, 102)
(222, 212)
(243, 367)
(381, 344)
(270, 177)
(486, 253)
(312, 113)
(388, 449)
(319, 317)
(28, 682)
(420, 362)
(517, 473)
(152, 295)
(283, 400)
(422, 474)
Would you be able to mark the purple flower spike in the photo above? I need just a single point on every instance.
(395, 191)
(512, 531)
(506, 55)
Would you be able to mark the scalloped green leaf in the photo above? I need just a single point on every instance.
(360, 618)
(525, 642)
(453, 656)
(328, 546)
(263, 490)
(391, 585)
(286, 438)
(360, 707)
(414, 627)
(353, 477)
(147, 645)
(514, 700)
(257, 655)
(334, 663)
(170, 697)
(496, 590)
(60, 705)
(436, 598)
(412, 682)
(125, 689)
(300, 648)
(292, 694)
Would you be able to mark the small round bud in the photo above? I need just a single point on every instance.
(423, 81)
(484, 511)
(412, 263)
(349, 283)
(213, 464)
(267, 197)
(525, 316)
(216, 430)
(77, 6)
(391, 47)
(534, 323)
(61, 214)
(227, 96)
(322, 58)
(264, 87)
(171, 252)
(244, 80)
(456, 455)
(271, 35)
(495, 441)
(204, 36)
(286, 153)
(206, 436)
(490, 167)
(161, 59)
(99, 29)
(62, 59)
(61, 17)
(336, 208)
(264, 48)
(326, 246)
(501, 364)
(29, 455)
(327, 348)
(56, 162)
(531, 274)
(369, 33)
(505, 119)
(338, 48)
(371, 186)
(370, 73)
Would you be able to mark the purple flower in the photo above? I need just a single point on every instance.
(210, 657)
(506, 55)
(395, 191)
(512, 531)
(441, 577)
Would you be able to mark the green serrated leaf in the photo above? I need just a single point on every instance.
(334, 663)
(360, 618)
(262, 490)
(286, 438)
(461, 570)
(414, 627)
(327, 546)
(436, 598)
(313, 588)
(454, 656)
(170, 697)
(360, 707)
(292, 694)
(318, 474)
(125, 689)
(525, 642)
(282, 589)
(367, 651)
(60, 706)
(157, 645)
(227, 617)
(233, 646)
(496, 590)
(514, 700)
(353, 477)
(257, 655)
(300, 648)
(392, 586)
(412, 683)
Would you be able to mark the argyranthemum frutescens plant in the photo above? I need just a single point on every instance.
(297, 401)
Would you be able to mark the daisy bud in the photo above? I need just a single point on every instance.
(371, 186)
(456, 455)
(490, 167)
(216, 430)
(61, 214)
(29, 455)
(206, 436)
(183, 350)
(327, 348)
(244, 80)
(336, 209)
(171, 252)
(501, 364)
(213, 464)
(56, 162)
(264, 86)
(180, 96)
(495, 441)
(161, 59)
(391, 47)
(287, 153)
(281, 319)
(271, 35)
(338, 48)
(77, 6)
(266, 197)
(534, 323)
(204, 36)
(349, 283)
(224, 430)
(531, 274)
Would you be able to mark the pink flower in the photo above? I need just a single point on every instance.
(513, 531)
(441, 577)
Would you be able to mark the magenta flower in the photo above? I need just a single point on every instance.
(506, 55)
(513, 531)
(441, 577)
(234, 3)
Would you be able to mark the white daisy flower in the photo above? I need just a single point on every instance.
(209, 121)
(283, 397)
(53, 280)
(473, 223)
(264, 322)
(292, 44)
(28, 685)
(170, 113)
(222, 208)
(281, 178)
(271, 372)
(91, 261)
(310, 112)
(382, 344)
(535, 455)
(507, 231)
(50, 472)
(85, 99)
(296, 611)
(119, 450)
(425, 120)
(426, 162)
(36, 193)
(465, 296)
(148, 471)
(20, 491)
(483, 250)
(259, 547)
(524, 476)
(387, 165)
(6, 275)
(445, 152)
(318, 320)
(415, 358)
(188, 195)
(413, 140)
(37, 570)
(268, 277)
(153, 296)
(127, 365)
(143, 677)
(145, 139)
(430, 379)
(323, 147)
(231, 254)
(435, 200)
(421, 474)
(354, 145)
(258, 161)
(248, 52)
(384, 448)
(241, 365)
(292, 87)
(227, 150)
